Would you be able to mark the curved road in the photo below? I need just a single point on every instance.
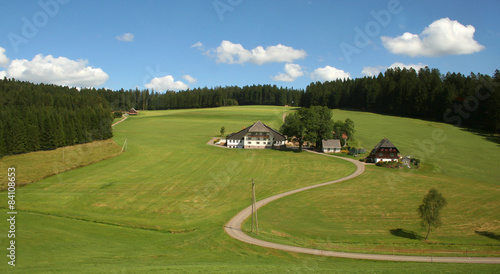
(233, 229)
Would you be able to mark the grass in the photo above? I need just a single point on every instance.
(376, 212)
(34, 166)
(161, 206)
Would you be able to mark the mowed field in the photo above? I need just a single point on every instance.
(162, 205)
(376, 212)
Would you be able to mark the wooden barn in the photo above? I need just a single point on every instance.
(132, 111)
(384, 151)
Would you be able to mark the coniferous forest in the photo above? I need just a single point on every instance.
(43, 117)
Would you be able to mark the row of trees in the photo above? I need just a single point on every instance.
(202, 97)
(43, 117)
(471, 101)
(315, 124)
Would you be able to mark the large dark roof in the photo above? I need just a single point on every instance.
(385, 143)
(257, 127)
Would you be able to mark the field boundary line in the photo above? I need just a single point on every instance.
(233, 229)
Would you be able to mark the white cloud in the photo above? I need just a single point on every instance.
(374, 71)
(59, 71)
(126, 37)
(166, 83)
(292, 72)
(189, 78)
(3, 74)
(4, 61)
(231, 53)
(198, 45)
(328, 73)
(442, 37)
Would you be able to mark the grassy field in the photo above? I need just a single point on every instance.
(35, 166)
(376, 212)
(161, 206)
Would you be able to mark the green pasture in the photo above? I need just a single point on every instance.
(161, 206)
(376, 212)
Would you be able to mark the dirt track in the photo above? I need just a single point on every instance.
(233, 229)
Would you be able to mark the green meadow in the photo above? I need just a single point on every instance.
(376, 212)
(161, 205)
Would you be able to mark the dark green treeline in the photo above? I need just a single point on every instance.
(202, 97)
(44, 117)
(468, 101)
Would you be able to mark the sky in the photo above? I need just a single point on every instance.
(179, 45)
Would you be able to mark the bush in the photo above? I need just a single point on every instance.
(117, 114)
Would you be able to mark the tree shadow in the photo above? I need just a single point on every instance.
(494, 138)
(489, 235)
(405, 234)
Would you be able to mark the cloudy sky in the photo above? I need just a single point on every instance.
(176, 45)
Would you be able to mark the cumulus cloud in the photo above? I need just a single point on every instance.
(126, 37)
(3, 74)
(442, 37)
(292, 72)
(59, 71)
(328, 73)
(166, 83)
(4, 61)
(374, 71)
(189, 78)
(231, 53)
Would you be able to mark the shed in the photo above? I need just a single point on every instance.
(331, 145)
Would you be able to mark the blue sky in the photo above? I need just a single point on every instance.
(187, 44)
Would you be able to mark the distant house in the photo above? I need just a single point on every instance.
(257, 135)
(384, 151)
(331, 145)
(132, 111)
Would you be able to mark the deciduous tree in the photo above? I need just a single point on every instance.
(430, 209)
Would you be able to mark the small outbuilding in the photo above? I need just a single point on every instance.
(331, 145)
(132, 111)
(384, 151)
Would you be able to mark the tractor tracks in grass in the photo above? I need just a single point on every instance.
(233, 229)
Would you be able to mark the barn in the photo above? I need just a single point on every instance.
(132, 111)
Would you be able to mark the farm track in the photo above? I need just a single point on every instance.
(233, 229)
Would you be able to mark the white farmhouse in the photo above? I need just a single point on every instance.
(258, 136)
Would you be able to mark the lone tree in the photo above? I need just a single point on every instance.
(222, 130)
(428, 211)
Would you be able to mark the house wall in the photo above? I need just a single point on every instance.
(385, 156)
(258, 140)
(234, 143)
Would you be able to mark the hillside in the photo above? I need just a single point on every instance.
(162, 205)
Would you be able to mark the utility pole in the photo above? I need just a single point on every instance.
(254, 210)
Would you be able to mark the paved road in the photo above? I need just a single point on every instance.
(233, 229)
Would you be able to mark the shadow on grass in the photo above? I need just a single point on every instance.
(489, 235)
(405, 234)
(494, 138)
